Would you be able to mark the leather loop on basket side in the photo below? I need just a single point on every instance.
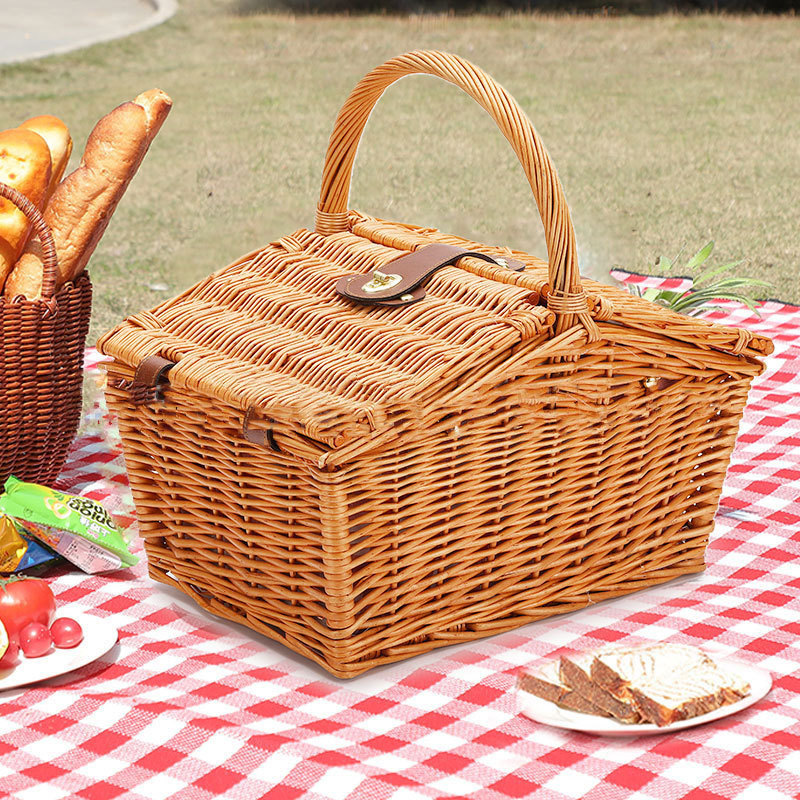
(262, 438)
(148, 380)
(399, 282)
(152, 370)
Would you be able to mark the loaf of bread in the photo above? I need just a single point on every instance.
(25, 166)
(82, 205)
(56, 134)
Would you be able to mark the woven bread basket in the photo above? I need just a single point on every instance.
(373, 439)
(41, 365)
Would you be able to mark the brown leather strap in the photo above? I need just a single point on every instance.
(399, 283)
(263, 438)
(152, 370)
(148, 380)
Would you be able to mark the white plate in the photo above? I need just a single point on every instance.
(540, 710)
(99, 636)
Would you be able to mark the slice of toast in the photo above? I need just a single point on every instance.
(575, 672)
(667, 682)
(545, 682)
(614, 668)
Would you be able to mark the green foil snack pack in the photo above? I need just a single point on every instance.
(77, 528)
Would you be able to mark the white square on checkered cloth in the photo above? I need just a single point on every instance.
(276, 767)
(572, 783)
(42, 792)
(160, 730)
(217, 750)
(503, 761)
(48, 748)
(454, 785)
(761, 792)
(427, 700)
(389, 762)
(102, 767)
(160, 787)
(337, 783)
(439, 741)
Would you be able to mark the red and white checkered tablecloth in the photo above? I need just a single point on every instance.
(190, 708)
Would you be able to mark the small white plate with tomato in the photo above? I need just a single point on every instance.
(99, 636)
(37, 644)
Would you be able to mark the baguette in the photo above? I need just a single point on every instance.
(25, 166)
(56, 134)
(82, 205)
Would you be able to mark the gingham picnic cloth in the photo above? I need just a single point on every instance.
(188, 708)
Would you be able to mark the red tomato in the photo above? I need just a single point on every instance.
(66, 632)
(10, 657)
(34, 640)
(25, 600)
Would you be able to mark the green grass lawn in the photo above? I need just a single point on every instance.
(666, 131)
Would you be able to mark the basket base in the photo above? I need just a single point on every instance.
(403, 661)
(375, 678)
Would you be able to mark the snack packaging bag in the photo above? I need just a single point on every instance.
(19, 552)
(77, 528)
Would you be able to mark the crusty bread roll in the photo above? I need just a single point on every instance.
(24, 165)
(56, 134)
(82, 205)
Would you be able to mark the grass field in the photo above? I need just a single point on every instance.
(666, 131)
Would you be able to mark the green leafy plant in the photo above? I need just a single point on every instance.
(708, 285)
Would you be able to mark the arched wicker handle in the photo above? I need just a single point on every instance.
(566, 297)
(42, 229)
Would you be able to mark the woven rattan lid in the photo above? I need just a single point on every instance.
(271, 335)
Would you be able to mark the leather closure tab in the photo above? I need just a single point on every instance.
(257, 436)
(147, 384)
(399, 282)
(152, 370)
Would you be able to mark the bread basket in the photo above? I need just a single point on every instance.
(41, 366)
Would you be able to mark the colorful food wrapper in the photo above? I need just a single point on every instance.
(77, 528)
(19, 552)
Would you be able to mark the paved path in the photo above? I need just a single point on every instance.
(42, 27)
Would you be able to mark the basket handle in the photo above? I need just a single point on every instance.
(49, 258)
(566, 296)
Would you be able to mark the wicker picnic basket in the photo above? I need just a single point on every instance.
(373, 439)
(41, 365)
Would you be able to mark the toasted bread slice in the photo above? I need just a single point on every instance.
(575, 672)
(545, 682)
(667, 682)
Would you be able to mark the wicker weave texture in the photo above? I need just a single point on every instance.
(488, 503)
(41, 367)
(515, 445)
(469, 524)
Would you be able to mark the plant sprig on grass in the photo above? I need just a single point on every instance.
(707, 286)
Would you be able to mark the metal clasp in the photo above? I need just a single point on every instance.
(381, 281)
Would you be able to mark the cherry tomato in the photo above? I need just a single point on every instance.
(35, 640)
(10, 657)
(66, 632)
(25, 600)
